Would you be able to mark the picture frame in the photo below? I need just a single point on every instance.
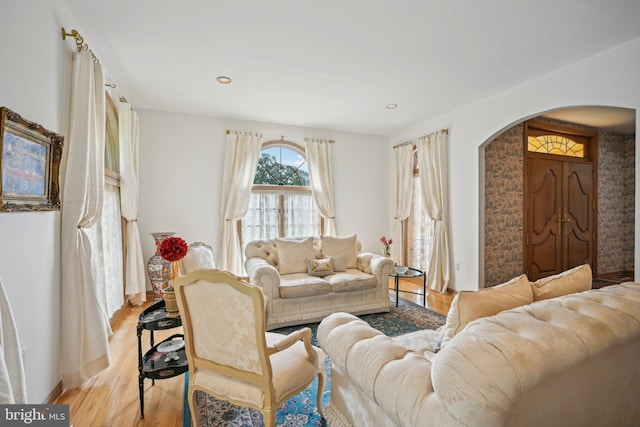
(29, 165)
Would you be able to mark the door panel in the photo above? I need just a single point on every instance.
(560, 216)
(544, 196)
(578, 220)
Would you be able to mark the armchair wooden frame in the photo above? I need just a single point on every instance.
(260, 376)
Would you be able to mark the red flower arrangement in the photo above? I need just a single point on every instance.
(173, 248)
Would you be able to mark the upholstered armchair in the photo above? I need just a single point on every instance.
(230, 355)
(199, 256)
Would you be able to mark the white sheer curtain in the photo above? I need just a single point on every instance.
(419, 231)
(321, 177)
(85, 324)
(300, 216)
(241, 160)
(110, 234)
(262, 218)
(134, 262)
(404, 178)
(432, 163)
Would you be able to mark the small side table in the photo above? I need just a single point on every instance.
(411, 272)
(155, 364)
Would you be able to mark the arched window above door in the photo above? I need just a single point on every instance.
(555, 144)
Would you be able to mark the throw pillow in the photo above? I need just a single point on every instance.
(578, 279)
(468, 306)
(292, 255)
(338, 263)
(341, 246)
(319, 267)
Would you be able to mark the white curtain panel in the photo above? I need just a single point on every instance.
(321, 175)
(404, 190)
(85, 324)
(111, 238)
(432, 163)
(241, 161)
(134, 275)
(13, 380)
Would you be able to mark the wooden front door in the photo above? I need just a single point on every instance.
(559, 211)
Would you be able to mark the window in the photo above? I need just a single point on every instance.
(418, 228)
(281, 203)
(555, 144)
(111, 221)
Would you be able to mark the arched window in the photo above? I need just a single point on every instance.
(281, 203)
(555, 144)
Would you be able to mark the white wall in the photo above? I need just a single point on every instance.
(35, 82)
(182, 165)
(609, 78)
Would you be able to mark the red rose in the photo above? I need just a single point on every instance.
(173, 248)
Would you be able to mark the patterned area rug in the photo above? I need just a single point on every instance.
(299, 411)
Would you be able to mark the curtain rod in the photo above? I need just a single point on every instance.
(320, 140)
(269, 138)
(79, 42)
(82, 45)
(443, 131)
(237, 132)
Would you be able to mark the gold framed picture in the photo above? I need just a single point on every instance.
(29, 166)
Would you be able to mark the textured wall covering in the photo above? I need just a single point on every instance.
(503, 206)
(504, 199)
(616, 201)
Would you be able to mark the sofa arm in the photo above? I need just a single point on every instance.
(375, 264)
(394, 377)
(263, 274)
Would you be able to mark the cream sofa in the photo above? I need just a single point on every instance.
(304, 280)
(568, 360)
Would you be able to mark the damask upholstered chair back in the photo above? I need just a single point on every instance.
(199, 256)
(230, 355)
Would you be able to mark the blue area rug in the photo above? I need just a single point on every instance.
(300, 410)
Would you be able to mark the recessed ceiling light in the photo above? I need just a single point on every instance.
(224, 80)
(392, 106)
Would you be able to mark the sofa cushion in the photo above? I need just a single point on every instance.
(302, 285)
(319, 267)
(346, 247)
(468, 306)
(578, 279)
(292, 255)
(351, 280)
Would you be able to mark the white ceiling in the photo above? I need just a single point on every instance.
(335, 64)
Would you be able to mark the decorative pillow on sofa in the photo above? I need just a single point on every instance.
(468, 306)
(578, 279)
(346, 247)
(320, 267)
(292, 255)
(338, 263)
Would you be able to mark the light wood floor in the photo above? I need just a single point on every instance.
(111, 398)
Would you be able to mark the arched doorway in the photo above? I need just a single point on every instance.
(504, 219)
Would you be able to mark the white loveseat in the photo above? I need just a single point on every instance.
(569, 360)
(305, 280)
